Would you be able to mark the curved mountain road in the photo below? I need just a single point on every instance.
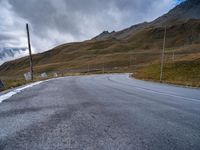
(101, 112)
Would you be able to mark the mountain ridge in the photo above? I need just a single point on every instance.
(144, 42)
(189, 9)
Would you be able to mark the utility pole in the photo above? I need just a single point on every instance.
(103, 69)
(163, 55)
(192, 38)
(135, 60)
(173, 56)
(88, 68)
(130, 61)
(30, 53)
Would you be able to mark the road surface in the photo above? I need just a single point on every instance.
(101, 112)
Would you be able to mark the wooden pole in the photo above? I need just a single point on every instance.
(30, 53)
(103, 69)
(88, 68)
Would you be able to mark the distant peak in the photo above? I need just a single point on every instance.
(105, 32)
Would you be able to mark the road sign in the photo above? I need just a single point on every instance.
(27, 76)
(44, 75)
(55, 74)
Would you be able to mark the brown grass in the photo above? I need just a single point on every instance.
(144, 48)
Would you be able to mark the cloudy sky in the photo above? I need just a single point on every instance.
(53, 22)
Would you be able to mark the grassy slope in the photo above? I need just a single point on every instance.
(183, 73)
(141, 49)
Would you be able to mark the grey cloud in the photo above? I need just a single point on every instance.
(55, 22)
(5, 37)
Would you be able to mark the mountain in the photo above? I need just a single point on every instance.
(7, 53)
(137, 46)
(187, 10)
(121, 34)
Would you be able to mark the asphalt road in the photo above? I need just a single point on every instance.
(103, 112)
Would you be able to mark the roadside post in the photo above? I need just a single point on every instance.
(88, 68)
(1, 84)
(103, 67)
(130, 61)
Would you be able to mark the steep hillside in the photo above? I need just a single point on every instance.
(182, 72)
(137, 49)
(112, 52)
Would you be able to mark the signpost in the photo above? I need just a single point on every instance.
(44, 75)
(27, 76)
(55, 74)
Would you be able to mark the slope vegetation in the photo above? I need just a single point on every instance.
(135, 49)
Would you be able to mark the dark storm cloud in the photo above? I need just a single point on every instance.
(58, 21)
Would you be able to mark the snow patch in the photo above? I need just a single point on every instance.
(18, 90)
